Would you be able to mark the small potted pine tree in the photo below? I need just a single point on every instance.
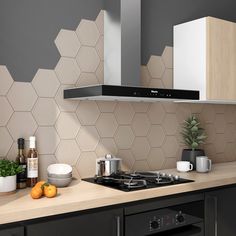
(8, 171)
(193, 136)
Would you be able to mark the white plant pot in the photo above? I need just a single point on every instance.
(7, 184)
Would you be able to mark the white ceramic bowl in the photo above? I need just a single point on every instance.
(7, 184)
(60, 183)
(59, 170)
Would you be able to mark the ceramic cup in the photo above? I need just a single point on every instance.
(184, 166)
(203, 164)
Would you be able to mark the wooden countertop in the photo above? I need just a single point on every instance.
(82, 195)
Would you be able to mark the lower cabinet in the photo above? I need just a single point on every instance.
(17, 231)
(220, 208)
(105, 223)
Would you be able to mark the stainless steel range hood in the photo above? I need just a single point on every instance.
(122, 60)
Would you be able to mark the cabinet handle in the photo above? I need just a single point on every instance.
(216, 215)
(118, 226)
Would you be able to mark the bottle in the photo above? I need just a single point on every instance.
(21, 160)
(32, 163)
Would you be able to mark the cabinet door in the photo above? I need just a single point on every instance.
(18, 231)
(220, 212)
(106, 223)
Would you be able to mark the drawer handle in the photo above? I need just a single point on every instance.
(216, 215)
(118, 226)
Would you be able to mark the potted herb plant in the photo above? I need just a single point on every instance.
(193, 136)
(8, 171)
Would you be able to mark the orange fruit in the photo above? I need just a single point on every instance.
(40, 184)
(36, 192)
(50, 190)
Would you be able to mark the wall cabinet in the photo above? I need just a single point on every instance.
(205, 58)
(17, 231)
(220, 211)
(105, 223)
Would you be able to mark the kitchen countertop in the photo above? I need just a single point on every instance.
(82, 195)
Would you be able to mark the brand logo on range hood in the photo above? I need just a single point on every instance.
(154, 91)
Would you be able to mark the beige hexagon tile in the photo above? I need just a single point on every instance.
(156, 67)
(6, 141)
(170, 146)
(156, 83)
(219, 108)
(46, 77)
(210, 132)
(47, 140)
(167, 57)
(86, 79)
(68, 152)
(170, 163)
(183, 112)
(141, 165)
(106, 125)
(87, 138)
(21, 125)
(100, 48)
(140, 106)
(145, 76)
(67, 43)
(220, 143)
(230, 152)
(220, 123)
(124, 113)
(106, 146)
(88, 112)
(106, 106)
(196, 108)
(75, 175)
(88, 59)
(229, 132)
(22, 96)
(63, 104)
(170, 107)
(210, 151)
(6, 80)
(87, 32)
(170, 124)
(229, 114)
(167, 78)
(127, 159)
(156, 136)
(156, 113)
(156, 159)
(86, 164)
(45, 111)
(141, 124)
(6, 111)
(140, 148)
(67, 70)
(124, 137)
(67, 125)
(44, 162)
(100, 72)
(100, 22)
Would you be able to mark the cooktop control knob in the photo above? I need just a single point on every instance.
(180, 218)
(154, 224)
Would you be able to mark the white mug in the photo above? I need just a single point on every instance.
(184, 166)
(203, 164)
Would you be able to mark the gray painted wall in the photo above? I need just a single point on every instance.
(159, 16)
(28, 29)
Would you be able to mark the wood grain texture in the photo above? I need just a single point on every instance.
(221, 59)
(83, 195)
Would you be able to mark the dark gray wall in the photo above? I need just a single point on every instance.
(28, 29)
(159, 16)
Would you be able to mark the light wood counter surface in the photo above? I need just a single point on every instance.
(82, 195)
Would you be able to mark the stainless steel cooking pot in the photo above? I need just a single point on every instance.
(108, 165)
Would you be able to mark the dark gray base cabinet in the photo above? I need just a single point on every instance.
(105, 223)
(220, 210)
(18, 231)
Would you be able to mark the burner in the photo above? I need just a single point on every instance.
(131, 183)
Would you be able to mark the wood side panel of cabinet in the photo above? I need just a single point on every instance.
(221, 59)
(105, 223)
(17, 231)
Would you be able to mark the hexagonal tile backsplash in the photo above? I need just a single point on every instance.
(145, 135)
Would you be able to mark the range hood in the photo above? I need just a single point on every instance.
(122, 60)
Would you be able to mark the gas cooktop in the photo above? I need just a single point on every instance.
(137, 180)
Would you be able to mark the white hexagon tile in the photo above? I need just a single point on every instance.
(145, 135)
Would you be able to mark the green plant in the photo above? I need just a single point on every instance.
(9, 168)
(192, 134)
